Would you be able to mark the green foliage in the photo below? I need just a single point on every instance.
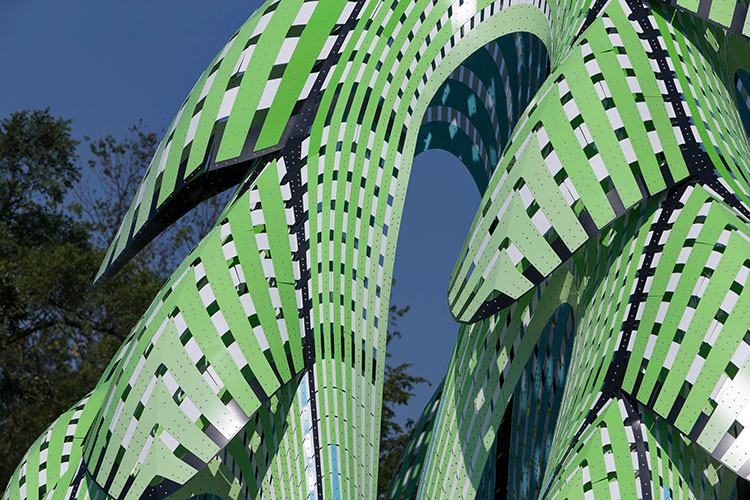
(398, 389)
(37, 161)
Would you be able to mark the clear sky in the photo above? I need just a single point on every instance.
(107, 64)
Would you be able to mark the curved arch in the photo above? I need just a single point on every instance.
(448, 137)
(474, 110)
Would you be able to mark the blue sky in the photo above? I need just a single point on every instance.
(106, 65)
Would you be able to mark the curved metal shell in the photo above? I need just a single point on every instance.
(731, 15)
(606, 132)
(245, 105)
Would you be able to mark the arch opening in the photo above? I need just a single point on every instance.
(474, 111)
(469, 120)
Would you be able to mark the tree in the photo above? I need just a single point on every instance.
(37, 166)
(398, 389)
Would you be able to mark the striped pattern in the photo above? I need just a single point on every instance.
(56, 454)
(590, 146)
(688, 349)
(604, 348)
(533, 424)
(730, 15)
(228, 119)
(474, 111)
(406, 478)
(188, 357)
